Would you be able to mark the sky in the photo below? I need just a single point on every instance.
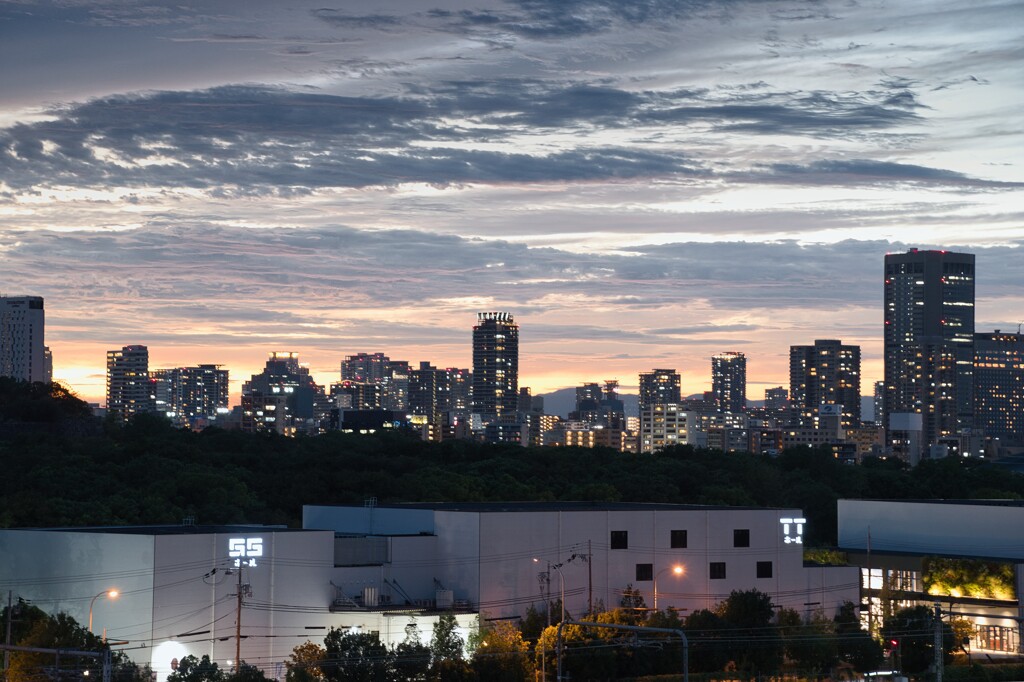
(642, 184)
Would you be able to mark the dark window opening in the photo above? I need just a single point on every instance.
(678, 539)
(741, 537)
(620, 539)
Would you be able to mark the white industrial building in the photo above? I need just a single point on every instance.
(23, 354)
(381, 568)
(892, 541)
(488, 556)
(178, 588)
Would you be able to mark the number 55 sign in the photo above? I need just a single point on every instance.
(245, 550)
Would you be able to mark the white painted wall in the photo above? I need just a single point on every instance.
(946, 529)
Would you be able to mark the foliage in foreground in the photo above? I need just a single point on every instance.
(150, 473)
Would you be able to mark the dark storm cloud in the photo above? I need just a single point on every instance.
(237, 140)
(546, 20)
(867, 171)
(203, 284)
(336, 17)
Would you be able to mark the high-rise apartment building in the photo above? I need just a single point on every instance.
(392, 376)
(663, 425)
(729, 381)
(776, 399)
(192, 397)
(129, 388)
(999, 385)
(22, 350)
(495, 366)
(879, 402)
(365, 368)
(929, 340)
(426, 386)
(827, 373)
(282, 398)
(659, 387)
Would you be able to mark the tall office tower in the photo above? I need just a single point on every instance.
(454, 391)
(827, 373)
(729, 381)
(588, 403)
(395, 385)
(426, 385)
(355, 395)
(776, 398)
(659, 387)
(999, 385)
(22, 351)
(495, 366)
(129, 389)
(282, 398)
(879, 402)
(193, 397)
(47, 364)
(929, 322)
(365, 368)
(525, 399)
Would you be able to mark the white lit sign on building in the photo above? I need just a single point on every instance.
(793, 530)
(245, 550)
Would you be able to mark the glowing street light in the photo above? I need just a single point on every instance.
(561, 580)
(110, 594)
(677, 569)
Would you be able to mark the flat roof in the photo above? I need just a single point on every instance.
(551, 506)
(974, 502)
(170, 529)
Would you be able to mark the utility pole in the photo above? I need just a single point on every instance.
(938, 642)
(244, 589)
(10, 612)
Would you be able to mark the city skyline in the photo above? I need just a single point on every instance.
(641, 185)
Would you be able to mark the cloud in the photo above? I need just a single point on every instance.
(239, 140)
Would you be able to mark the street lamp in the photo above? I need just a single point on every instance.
(110, 594)
(561, 583)
(677, 569)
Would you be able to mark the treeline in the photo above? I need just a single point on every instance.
(147, 472)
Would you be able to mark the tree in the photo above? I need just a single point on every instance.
(246, 673)
(305, 663)
(913, 629)
(855, 645)
(192, 669)
(446, 651)
(748, 615)
(50, 632)
(709, 652)
(810, 643)
(356, 657)
(412, 657)
(502, 655)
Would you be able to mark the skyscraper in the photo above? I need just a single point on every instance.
(282, 398)
(129, 390)
(776, 399)
(22, 351)
(929, 340)
(495, 366)
(827, 373)
(193, 396)
(999, 385)
(659, 387)
(729, 381)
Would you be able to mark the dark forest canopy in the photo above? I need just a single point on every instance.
(148, 472)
